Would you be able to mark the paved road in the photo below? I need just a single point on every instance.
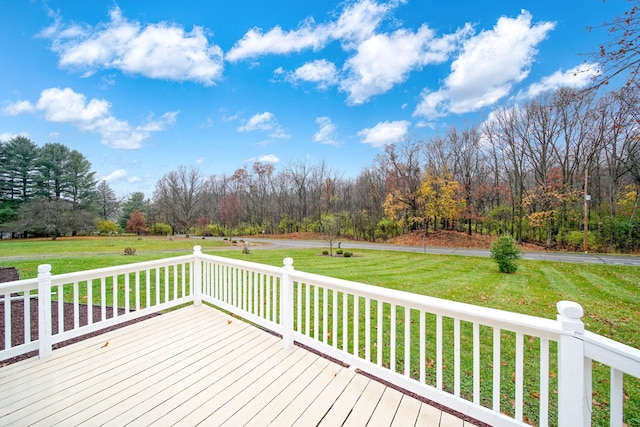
(535, 255)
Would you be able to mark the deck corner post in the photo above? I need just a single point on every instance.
(45, 344)
(197, 275)
(286, 304)
(573, 403)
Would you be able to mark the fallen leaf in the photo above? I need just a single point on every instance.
(228, 322)
(105, 344)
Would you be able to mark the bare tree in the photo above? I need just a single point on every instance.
(229, 212)
(180, 197)
(403, 174)
(468, 166)
(620, 54)
(508, 145)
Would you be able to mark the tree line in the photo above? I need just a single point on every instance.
(525, 171)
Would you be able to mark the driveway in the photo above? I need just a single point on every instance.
(534, 255)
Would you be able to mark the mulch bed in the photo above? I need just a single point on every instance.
(17, 324)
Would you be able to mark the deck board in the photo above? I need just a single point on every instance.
(199, 365)
(386, 409)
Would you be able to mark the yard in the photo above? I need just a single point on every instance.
(608, 294)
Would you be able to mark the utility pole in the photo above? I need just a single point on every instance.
(587, 198)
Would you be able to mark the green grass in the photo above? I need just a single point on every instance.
(66, 246)
(609, 294)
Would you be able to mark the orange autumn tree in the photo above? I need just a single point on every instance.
(547, 205)
(440, 199)
(137, 223)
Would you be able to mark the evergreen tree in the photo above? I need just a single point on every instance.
(52, 166)
(107, 202)
(80, 183)
(134, 202)
(21, 155)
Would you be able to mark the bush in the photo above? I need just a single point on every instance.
(506, 252)
(347, 254)
(575, 239)
(325, 252)
(106, 227)
(339, 252)
(161, 228)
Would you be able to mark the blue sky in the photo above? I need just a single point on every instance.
(141, 88)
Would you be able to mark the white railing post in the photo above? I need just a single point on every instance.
(197, 275)
(572, 401)
(44, 310)
(286, 304)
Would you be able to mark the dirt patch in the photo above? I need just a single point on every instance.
(452, 239)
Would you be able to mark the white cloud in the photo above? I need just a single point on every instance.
(356, 22)
(264, 122)
(18, 108)
(321, 72)
(377, 62)
(385, 60)
(385, 133)
(260, 121)
(327, 132)
(134, 179)
(267, 158)
(577, 77)
(7, 136)
(359, 21)
(67, 106)
(200, 160)
(159, 51)
(255, 43)
(115, 175)
(488, 67)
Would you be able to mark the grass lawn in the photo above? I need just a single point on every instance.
(609, 294)
(67, 246)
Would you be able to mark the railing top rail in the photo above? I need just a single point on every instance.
(120, 269)
(244, 264)
(621, 356)
(464, 311)
(18, 286)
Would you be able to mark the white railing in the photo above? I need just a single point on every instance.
(499, 367)
(96, 299)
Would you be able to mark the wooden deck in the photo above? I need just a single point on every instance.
(197, 365)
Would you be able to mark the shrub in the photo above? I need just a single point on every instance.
(325, 252)
(129, 251)
(106, 227)
(161, 228)
(575, 239)
(339, 252)
(347, 254)
(506, 252)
